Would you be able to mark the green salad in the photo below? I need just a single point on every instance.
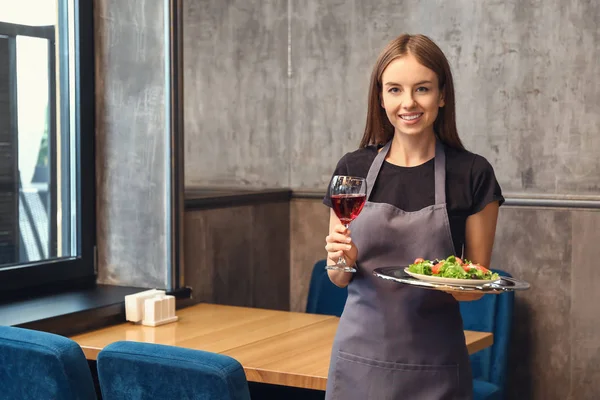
(452, 267)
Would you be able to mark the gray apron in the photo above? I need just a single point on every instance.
(396, 341)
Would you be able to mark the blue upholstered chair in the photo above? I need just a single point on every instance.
(492, 313)
(323, 296)
(39, 365)
(140, 371)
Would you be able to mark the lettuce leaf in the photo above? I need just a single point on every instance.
(423, 268)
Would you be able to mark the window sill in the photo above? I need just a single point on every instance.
(73, 312)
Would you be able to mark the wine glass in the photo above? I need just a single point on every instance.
(348, 197)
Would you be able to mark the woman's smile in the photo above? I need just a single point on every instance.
(411, 118)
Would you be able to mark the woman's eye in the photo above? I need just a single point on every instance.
(422, 89)
(393, 90)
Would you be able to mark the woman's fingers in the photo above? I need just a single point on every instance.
(342, 229)
(336, 246)
(339, 244)
(335, 237)
(465, 296)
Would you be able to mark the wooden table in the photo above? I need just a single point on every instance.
(277, 347)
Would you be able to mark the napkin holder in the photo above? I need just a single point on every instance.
(151, 308)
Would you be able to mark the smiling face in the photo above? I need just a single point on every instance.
(411, 96)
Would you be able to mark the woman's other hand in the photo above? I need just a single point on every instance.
(465, 296)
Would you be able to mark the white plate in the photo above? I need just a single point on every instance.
(453, 281)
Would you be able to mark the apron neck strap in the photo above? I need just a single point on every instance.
(376, 167)
(440, 173)
(439, 167)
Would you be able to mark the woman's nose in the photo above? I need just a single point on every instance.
(408, 102)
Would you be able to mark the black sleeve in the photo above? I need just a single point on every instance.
(340, 169)
(485, 187)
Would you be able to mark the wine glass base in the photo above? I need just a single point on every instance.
(336, 268)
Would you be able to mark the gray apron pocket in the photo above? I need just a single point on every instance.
(359, 378)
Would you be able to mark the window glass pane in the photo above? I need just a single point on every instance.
(38, 191)
(20, 12)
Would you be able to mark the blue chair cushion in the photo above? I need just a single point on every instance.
(136, 371)
(483, 390)
(323, 296)
(40, 365)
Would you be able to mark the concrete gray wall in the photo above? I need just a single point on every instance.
(130, 143)
(275, 91)
(235, 92)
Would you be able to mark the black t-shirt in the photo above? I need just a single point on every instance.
(470, 185)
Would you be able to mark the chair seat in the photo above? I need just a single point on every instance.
(483, 390)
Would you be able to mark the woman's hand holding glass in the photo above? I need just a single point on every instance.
(339, 244)
(348, 196)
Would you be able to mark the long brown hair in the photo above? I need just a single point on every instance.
(378, 128)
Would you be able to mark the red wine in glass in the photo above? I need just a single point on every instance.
(348, 206)
(348, 197)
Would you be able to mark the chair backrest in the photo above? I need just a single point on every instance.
(492, 313)
(41, 365)
(323, 296)
(139, 371)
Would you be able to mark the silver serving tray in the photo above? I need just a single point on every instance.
(504, 284)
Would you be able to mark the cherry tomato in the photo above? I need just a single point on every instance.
(418, 260)
(481, 268)
(477, 266)
(459, 260)
(436, 268)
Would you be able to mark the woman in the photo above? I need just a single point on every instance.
(427, 197)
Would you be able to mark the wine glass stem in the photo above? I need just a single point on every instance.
(342, 261)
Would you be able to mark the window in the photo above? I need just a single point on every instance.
(47, 212)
